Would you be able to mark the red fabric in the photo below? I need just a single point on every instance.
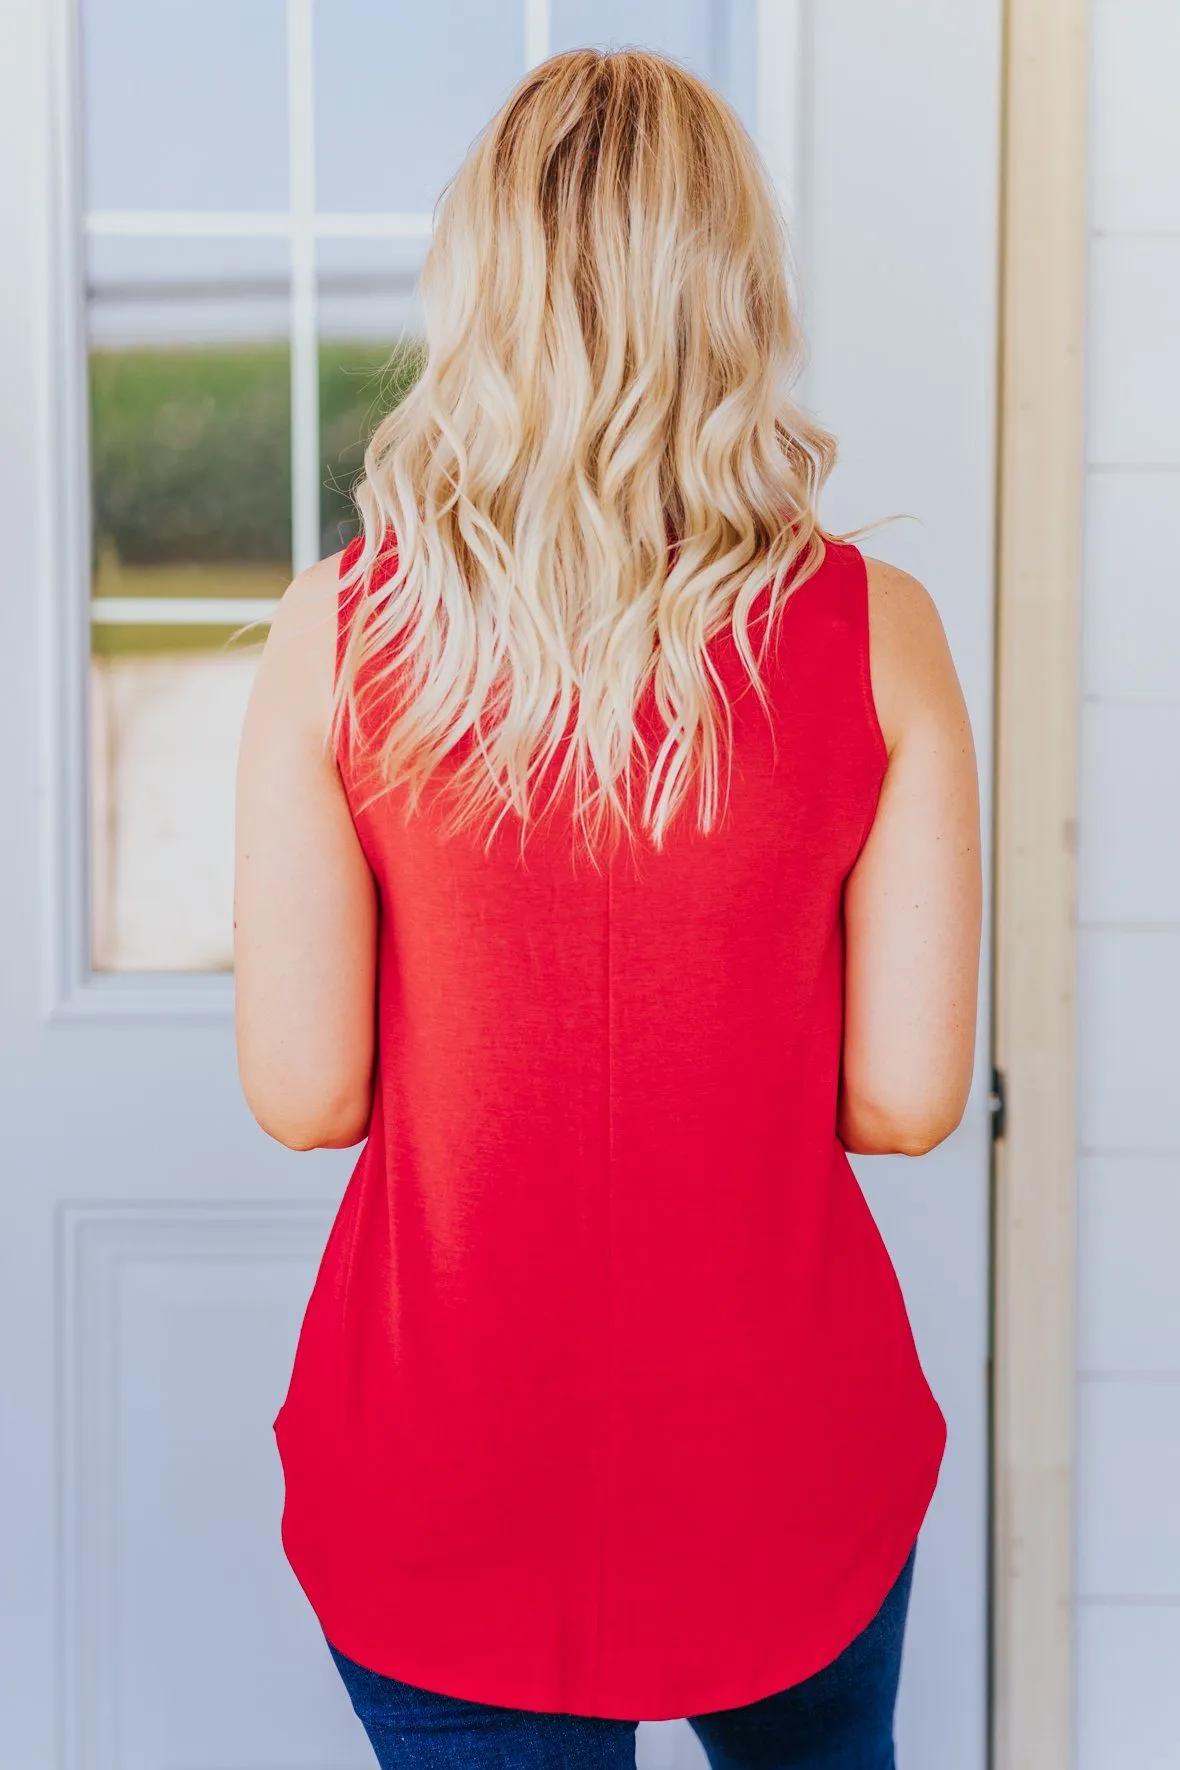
(605, 1399)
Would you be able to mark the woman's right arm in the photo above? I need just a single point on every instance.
(305, 902)
(913, 901)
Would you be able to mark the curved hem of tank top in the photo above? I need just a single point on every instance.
(733, 1693)
(854, 1624)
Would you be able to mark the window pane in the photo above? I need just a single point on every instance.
(165, 723)
(190, 417)
(400, 92)
(370, 354)
(191, 502)
(184, 103)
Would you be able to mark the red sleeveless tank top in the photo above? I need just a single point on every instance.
(605, 1399)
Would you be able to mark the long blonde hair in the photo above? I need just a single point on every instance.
(600, 465)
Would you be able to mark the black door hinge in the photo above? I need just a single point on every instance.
(997, 1102)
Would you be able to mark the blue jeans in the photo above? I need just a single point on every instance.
(841, 1718)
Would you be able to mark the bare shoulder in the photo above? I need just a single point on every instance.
(303, 627)
(901, 609)
(298, 665)
(912, 669)
(309, 601)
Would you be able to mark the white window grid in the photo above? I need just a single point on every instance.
(781, 33)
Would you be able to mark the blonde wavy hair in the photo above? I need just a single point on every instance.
(599, 467)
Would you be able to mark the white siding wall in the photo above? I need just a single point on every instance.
(1128, 1500)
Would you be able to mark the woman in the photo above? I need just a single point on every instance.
(609, 860)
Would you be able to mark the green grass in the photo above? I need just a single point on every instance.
(358, 385)
(156, 642)
(191, 448)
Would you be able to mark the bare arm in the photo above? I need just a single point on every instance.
(304, 899)
(913, 900)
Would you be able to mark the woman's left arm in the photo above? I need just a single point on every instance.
(305, 905)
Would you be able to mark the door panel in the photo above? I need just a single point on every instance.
(174, 291)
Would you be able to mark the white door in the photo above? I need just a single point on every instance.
(212, 216)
